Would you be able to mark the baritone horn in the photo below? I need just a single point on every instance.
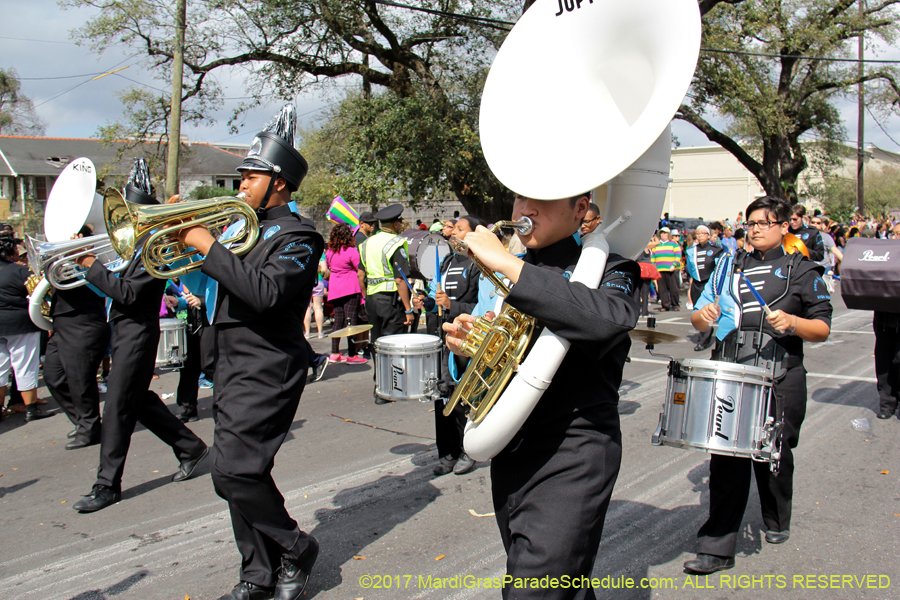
(156, 226)
(615, 74)
(57, 261)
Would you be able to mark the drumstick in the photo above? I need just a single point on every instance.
(437, 277)
(403, 275)
(720, 283)
(756, 295)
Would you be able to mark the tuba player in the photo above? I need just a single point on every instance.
(552, 483)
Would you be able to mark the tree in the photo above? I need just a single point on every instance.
(17, 116)
(770, 103)
(425, 63)
(882, 191)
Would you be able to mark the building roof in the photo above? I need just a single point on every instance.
(22, 155)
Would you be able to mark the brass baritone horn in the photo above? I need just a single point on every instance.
(57, 260)
(496, 347)
(129, 224)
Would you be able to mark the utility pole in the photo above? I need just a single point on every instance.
(861, 121)
(172, 182)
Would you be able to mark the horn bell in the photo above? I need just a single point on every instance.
(156, 227)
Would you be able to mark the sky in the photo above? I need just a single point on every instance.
(49, 64)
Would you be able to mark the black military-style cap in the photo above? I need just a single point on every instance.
(389, 213)
(273, 150)
(367, 217)
(139, 189)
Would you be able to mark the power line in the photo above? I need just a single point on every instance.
(883, 130)
(126, 59)
(4, 37)
(60, 77)
(495, 23)
(822, 58)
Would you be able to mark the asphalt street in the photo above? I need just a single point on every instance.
(359, 477)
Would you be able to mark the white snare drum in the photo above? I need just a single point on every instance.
(172, 348)
(406, 366)
(719, 407)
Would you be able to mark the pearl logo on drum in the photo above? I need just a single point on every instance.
(397, 377)
(870, 256)
(724, 405)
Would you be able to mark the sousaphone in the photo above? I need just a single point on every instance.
(73, 203)
(581, 95)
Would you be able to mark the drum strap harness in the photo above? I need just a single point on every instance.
(739, 346)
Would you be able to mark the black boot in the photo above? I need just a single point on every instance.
(33, 412)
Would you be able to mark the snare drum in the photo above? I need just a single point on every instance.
(406, 366)
(172, 348)
(719, 407)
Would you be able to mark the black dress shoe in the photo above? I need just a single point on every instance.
(883, 414)
(294, 574)
(705, 564)
(250, 591)
(33, 413)
(186, 468)
(71, 435)
(188, 417)
(78, 444)
(778, 537)
(100, 497)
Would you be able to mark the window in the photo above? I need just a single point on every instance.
(235, 184)
(40, 188)
(220, 183)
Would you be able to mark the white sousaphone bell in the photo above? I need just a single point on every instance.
(72, 204)
(582, 94)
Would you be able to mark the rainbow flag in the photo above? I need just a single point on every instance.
(341, 212)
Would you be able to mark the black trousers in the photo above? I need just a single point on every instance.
(259, 378)
(386, 314)
(129, 400)
(887, 368)
(449, 430)
(645, 296)
(667, 286)
(695, 292)
(74, 352)
(551, 490)
(729, 476)
(189, 378)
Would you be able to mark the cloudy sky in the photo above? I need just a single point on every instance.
(57, 75)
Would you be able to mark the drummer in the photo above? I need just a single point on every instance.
(458, 295)
(800, 306)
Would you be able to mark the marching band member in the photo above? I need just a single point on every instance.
(801, 311)
(383, 257)
(701, 260)
(136, 298)
(458, 295)
(552, 483)
(79, 341)
(261, 363)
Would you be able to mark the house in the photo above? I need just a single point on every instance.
(30, 165)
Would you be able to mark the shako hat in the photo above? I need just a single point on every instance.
(138, 189)
(273, 150)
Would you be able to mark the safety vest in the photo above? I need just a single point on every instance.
(375, 254)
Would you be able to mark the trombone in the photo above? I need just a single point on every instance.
(156, 226)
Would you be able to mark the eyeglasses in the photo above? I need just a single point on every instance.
(816, 222)
(589, 221)
(763, 225)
